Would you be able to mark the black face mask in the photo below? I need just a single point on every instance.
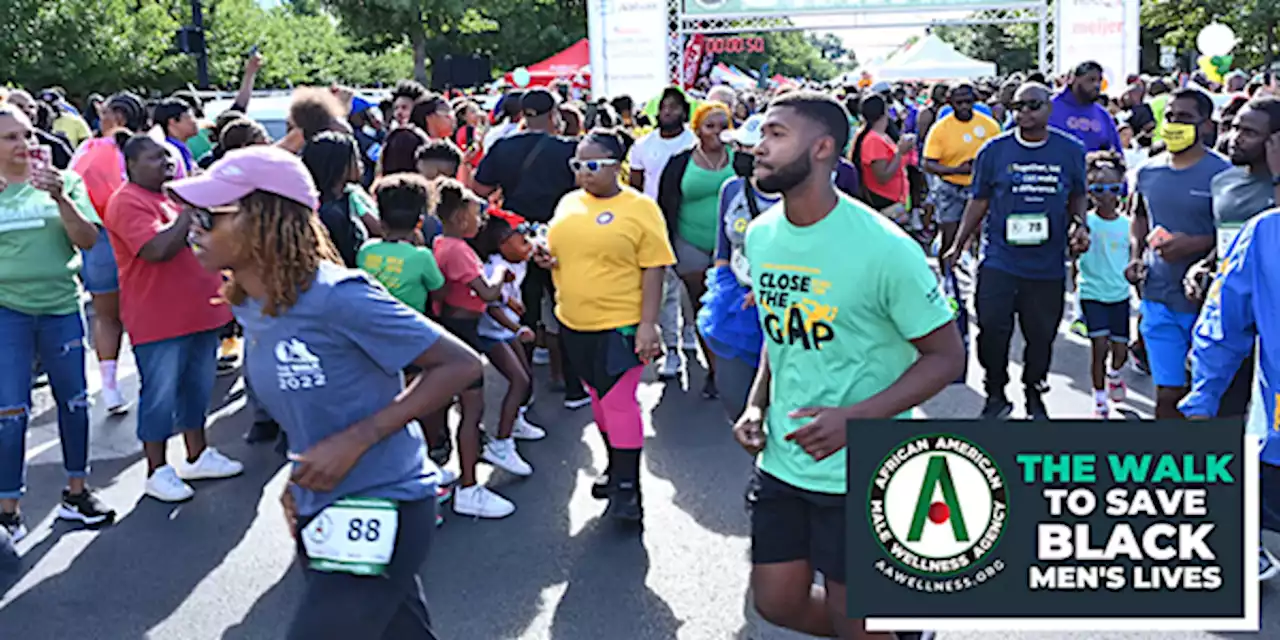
(744, 164)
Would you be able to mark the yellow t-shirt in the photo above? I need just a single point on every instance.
(602, 247)
(953, 142)
(73, 127)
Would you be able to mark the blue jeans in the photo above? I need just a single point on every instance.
(177, 377)
(59, 343)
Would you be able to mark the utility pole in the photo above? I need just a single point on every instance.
(202, 55)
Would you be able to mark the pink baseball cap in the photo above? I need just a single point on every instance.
(243, 171)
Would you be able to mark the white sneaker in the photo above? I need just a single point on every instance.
(447, 477)
(165, 485)
(116, 404)
(541, 356)
(1268, 566)
(670, 367)
(211, 465)
(525, 431)
(478, 501)
(503, 454)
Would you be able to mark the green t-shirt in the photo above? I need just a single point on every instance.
(362, 203)
(700, 204)
(199, 145)
(38, 263)
(406, 270)
(839, 302)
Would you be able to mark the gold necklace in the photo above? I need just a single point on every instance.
(714, 166)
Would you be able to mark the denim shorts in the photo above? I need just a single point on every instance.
(948, 200)
(177, 377)
(1167, 334)
(1107, 319)
(99, 272)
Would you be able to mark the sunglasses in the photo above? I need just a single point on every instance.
(592, 166)
(1029, 105)
(204, 218)
(1115, 188)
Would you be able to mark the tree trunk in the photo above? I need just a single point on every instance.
(419, 39)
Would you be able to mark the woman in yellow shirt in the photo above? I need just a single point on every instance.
(607, 247)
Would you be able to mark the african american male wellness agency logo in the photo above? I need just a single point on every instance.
(938, 507)
(1053, 526)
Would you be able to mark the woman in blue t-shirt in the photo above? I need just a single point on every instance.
(325, 349)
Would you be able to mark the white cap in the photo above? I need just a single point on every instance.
(748, 135)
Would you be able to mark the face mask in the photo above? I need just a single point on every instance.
(744, 164)
(1179, 137)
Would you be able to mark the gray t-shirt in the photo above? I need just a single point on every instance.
(1181, 201)
(333, 359)
(1238, 196)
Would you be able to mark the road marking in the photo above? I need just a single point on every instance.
(41, 448)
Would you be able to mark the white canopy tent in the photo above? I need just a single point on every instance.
(931, 58)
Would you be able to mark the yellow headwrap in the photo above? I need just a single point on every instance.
(705, 109)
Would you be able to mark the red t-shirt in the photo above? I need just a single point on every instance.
(460, 265)
(878, 147)
(158, 300)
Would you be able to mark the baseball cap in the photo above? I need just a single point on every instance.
(881, 87)
(537, 102)
(243, 171)
(749, 134)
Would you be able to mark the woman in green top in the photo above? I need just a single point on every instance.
(689, 195)
(45, 216)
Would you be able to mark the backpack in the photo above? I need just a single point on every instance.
(347, 233)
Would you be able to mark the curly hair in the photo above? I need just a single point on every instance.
(1097, 161)
(287, 242)
(450, 198)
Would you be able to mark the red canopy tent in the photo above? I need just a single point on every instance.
(573, 65)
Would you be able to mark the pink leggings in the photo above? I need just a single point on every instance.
(617, 414)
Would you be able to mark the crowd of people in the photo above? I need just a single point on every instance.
(371, 257)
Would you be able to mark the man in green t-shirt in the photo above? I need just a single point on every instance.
(407, 270)
(856, 327)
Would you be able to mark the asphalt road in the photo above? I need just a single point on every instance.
(221, 566)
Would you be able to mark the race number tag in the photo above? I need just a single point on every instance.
(740, 267)
(1026, 229)
(1226, 235)
(353, 535)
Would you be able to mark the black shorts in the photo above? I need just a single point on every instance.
(789, 524)
(465, 329)
(600, 357)
(1107, 319)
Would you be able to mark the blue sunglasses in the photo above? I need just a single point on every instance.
(1115, 188)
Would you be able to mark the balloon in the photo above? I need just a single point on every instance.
(1209, 69)
(1216, 39)
(1222, 63)
(521, 77)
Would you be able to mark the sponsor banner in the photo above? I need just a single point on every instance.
(628, 41)
(694, 49)
(1053, 526)
(1104, 31)
(792, 7)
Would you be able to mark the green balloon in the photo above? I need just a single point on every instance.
(1222, 63)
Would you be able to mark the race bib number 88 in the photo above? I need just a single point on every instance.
(353, 535)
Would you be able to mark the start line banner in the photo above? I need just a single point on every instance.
(1053, 526)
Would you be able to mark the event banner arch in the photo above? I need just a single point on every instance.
(688, 18)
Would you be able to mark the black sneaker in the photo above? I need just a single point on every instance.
(709, 390)
(573, 404)
(12, 524)
(227, 365)
(1035, 406)
(85, 507)
(600, 488)
(624, 503)
(440, 455)
(997, 409)
(262, 431)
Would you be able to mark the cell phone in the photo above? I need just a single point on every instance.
(253, 51)
(1158, 236)
(43, 156)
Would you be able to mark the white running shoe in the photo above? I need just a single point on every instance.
(116, 404)
(478, 501)
(165, 485)
(670, 367)
(525, 431)
(541, 356)
(211, 465)
(447, 477)
(503, 454)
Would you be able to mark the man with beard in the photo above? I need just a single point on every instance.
(1240, 193)
(949, 151)
(1076, 110)
(649, 156)
(855, 328)
(1173, 216)
(1029, 193)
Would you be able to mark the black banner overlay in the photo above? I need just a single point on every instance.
(1093, 523)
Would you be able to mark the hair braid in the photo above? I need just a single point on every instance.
(287, 242)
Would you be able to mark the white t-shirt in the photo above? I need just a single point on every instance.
(488, 327)
(651, 153)
(499, 132)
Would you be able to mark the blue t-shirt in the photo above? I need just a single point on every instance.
(1101, 272)
(1031, 183)
(1181, 201)
(335, 358)
(1091, 123)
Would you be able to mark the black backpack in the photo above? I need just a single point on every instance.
(347, 233)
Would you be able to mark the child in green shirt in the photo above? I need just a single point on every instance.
(407, 269)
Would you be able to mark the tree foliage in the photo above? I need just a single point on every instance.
(1013, 47)
(1176, 23)
(790, 53)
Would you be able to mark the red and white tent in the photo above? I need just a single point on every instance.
(572, 65)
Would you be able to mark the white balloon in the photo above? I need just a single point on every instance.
(1216, 39)
(521, 77)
